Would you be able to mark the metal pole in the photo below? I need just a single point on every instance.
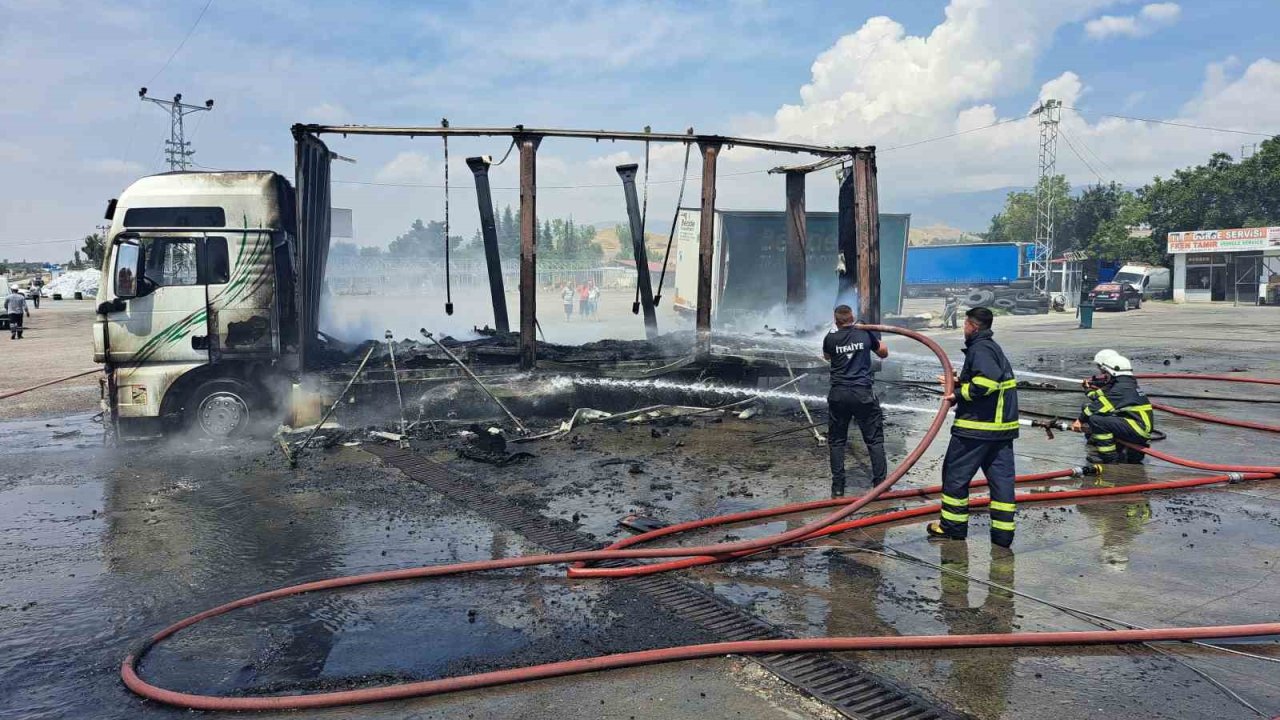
(395, 375)
(293, 458)
(489, 229)
(867, 220)
(628, 175)
(706, 246)
(519, 425)
(797, 240)
(528, 250)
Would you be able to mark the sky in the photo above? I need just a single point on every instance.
(889, 74)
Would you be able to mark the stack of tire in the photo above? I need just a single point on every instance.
(1017, 298)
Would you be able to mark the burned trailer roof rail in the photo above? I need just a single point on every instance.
(616, 135)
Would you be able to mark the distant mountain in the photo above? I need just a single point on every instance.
(940, 234)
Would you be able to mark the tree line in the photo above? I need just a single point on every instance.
(1222, 193)
(559, 239)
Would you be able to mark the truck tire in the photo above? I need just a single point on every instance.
(1006, 303)
(1025, 311)
(222, 408)
(980, 297)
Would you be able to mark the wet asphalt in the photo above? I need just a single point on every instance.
(100, 545)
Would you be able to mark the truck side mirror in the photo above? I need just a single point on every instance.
(128, 269)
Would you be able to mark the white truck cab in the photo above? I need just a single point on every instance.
(197, 321)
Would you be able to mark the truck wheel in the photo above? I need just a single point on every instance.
(221, 408)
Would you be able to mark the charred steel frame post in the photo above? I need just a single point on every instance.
(628, 175)
(846, 242)
(706, 244)
(867, 221)
(489, 230)
(528, 249)
(797, 242)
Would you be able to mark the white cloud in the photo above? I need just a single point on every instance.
(1149, 19)
(611, 161)
(113, 166)
(880, 86)
(327, 114)
(407, 167)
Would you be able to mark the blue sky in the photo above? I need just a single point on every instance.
(884, 73)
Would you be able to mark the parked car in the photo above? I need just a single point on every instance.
(1116, 296)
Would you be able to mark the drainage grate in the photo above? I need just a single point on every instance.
(852, 691)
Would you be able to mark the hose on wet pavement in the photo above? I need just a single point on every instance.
(679, 557)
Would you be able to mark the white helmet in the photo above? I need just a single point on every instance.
(1113, 363)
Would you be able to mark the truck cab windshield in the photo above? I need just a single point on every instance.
(176, 261)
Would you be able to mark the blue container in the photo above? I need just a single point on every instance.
(1086, 315)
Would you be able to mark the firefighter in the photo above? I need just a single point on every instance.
(849, 349)
(950, 308)
(982, 435)
(1117, 410)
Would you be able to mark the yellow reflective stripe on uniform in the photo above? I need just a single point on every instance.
(1106, 403)
(1087, 411)
(1143, 432)
(1105, 448)
(1103, 436)
(955, 501)
(1009, 384)
(1005, 506)
(1000, 407)
(991, 426)
(964, 391)
(989, 385)
(1003, 525)
(955, 517)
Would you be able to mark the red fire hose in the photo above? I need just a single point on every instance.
(826, 525)
(1216, 418)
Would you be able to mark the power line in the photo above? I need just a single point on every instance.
(19, 243)
(1174, 124)
(1078, 155)
(954, 134)
(184, 41)
(1106, 165)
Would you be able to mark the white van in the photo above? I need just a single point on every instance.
(1151, 280)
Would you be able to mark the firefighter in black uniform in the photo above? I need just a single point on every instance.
(849, 349)
(982, 435)
(1117, 410)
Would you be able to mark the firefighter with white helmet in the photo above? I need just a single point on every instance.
(1117, 410)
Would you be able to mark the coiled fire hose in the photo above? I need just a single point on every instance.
(831, 523)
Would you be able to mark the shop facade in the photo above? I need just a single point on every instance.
(1236, 265)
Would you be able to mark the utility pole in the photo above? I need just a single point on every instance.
(1050, 112)
(177, 150)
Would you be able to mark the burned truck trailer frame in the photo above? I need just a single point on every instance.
(858, 234)
(210, 297)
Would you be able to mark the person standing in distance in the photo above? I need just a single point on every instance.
(848, 349)
(982, 435)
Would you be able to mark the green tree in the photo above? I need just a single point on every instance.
(1095, 206)
(421, 241)
(508, 233)
(625, 249)
(1017, 221)
(94, 249)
